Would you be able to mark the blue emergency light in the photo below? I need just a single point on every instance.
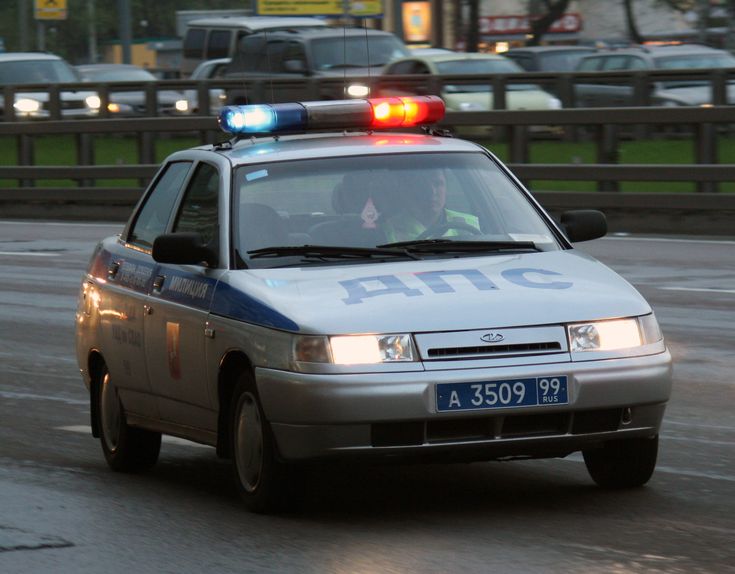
(374, 113)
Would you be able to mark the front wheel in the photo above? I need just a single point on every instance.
(260, 478)
(126, 449)
(622, 463)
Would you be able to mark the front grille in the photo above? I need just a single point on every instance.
(415, 433)
(494, 350)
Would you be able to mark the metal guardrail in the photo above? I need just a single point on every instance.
(604, 125)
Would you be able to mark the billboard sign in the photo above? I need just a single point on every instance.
(331, 8)
(50, 10)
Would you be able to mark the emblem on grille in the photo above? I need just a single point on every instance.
(492, 337)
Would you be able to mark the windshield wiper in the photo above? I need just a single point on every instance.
(329, 252)
(440, 245)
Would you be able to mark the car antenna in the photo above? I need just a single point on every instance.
(270, 71)
(367, 50)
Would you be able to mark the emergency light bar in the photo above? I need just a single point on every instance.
(374, 113)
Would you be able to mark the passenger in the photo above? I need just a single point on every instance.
(425, 209)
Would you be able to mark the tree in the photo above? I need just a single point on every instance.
(540, 24)
(633, 34)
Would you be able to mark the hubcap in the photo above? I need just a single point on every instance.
(248, 442)
(109, 413)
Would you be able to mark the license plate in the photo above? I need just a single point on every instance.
(529, 392)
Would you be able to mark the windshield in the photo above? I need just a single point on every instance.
(379, 200)
(484, 66)
(562, 61)
(340, 52)
(126, 75)
(36, 72)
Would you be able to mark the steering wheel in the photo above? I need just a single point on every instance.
(439, 229)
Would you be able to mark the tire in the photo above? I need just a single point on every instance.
(126, 449)
(622, 463)
(260, 478)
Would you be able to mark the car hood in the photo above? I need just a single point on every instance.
(429, 295)
(482, 101)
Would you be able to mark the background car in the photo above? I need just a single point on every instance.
(548, 58)
(678, 92)
(218, 37)
(208, 70)
(41, 70)
(132, 101)
(338, 53)
(471, 96)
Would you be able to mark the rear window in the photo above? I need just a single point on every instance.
(194, 43)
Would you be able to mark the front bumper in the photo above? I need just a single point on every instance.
(317, 416)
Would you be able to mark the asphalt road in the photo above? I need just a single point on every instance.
(62, 510)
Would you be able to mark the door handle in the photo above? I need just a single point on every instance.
(113, 269)
(158, 283)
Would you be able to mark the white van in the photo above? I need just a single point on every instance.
(211, 38)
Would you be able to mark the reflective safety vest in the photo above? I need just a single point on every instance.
(407, 227)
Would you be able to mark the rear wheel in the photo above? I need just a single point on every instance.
(126, 449)
(622, 463)
(260, 478)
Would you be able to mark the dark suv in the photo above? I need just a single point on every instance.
(683, 91)
(341, 54)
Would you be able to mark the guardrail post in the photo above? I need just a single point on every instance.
(718, 82)
(203, 107)
(8, 96)
(103, 92)
(54, 102)
(151, 100)
(641, 97)
(85, 156)
(607, 152)
(706, 153)
(26, 156)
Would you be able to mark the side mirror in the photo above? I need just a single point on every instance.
(583, 224)
(183, 249)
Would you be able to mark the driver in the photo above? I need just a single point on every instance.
(425, 197)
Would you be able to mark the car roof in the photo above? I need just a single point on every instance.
(335, 144)
(454, 56)
(543, 49)
(23, 56)
(327, 32)
(256, 23)
(655, 51)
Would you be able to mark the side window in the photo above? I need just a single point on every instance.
(153, 217)
(272, 61)
(588, 65)
(616, 63)
(401, 68)
(637, 64)
(294, 52)
(218, 44)
(194, 43)
(199, 211)
(420, 68)
(250, 51)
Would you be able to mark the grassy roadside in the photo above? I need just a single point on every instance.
(115, 150)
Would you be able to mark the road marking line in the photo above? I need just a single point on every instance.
(577, 457)
(60, 223)
(29, 253)
(699, 289)
(84, 429)
(12, 395)
(698, 440)
(679, 423)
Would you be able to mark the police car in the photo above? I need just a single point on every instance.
(316, 288)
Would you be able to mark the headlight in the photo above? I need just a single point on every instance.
(27, 105)
(358, 91)
(554, 104)
(93, 102)
(355, 349)
(181, 105)
(613, 335)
